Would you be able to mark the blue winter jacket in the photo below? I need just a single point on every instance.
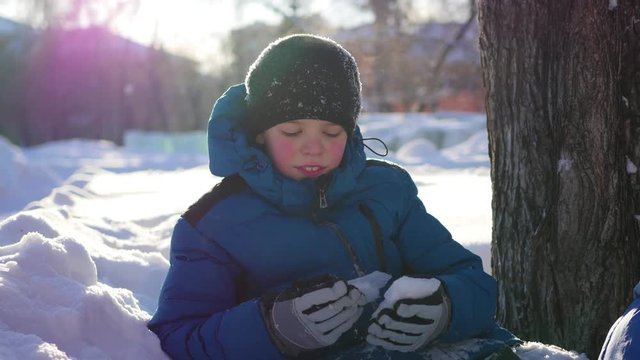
(235, 246)
(623, 339)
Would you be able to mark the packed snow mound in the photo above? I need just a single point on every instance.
(193, 142)
(11, 159)
(441, 129)
(141, 151)
(20, 346)
(15, 227)
(474, 149)
(537, 351)
(20, 180)
(420, 151)
(139, 267)
(50, 292)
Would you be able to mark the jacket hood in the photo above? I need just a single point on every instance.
(230, 152)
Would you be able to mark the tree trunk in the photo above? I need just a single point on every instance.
(565, 246)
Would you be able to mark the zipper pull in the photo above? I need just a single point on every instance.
(321, 187)
(322, 197)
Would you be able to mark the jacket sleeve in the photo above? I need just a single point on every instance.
(428, 249)
(623, 339)
(198, 315)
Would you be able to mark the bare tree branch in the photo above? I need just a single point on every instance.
(462, 30)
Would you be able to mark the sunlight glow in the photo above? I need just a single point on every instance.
(190, 29)
(196, 28)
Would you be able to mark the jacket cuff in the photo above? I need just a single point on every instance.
(465, 308)
(244, 333)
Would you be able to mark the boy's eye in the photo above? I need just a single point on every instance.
(332, 134)
(291, 133)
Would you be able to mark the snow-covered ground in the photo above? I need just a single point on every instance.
(85, 227)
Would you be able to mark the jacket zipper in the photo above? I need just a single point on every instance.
(323, 204)
(321, 189)
(322, 197)
(348, 248)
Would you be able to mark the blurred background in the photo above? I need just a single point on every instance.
(97, 68)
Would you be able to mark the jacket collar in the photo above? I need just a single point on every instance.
(231, 153)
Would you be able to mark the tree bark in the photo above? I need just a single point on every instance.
(565, 246)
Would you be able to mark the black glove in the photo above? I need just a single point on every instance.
(312, 314)
(414, 313)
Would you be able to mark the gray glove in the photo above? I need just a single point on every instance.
(312, 315)
(414, 313)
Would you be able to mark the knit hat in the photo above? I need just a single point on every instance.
(302, 77)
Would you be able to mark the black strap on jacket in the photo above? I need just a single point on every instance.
(377, 235)
(228, 186)
(368, 213)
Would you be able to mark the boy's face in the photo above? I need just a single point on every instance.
(305, 148)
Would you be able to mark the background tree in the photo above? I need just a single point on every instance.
(89, 82)
(12, 81)
(74, 77)
(405, 58)
(435, 66)
(388, 17)
(562, 114)
(396, 79)
(244, 44)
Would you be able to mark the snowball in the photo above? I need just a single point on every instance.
(408, 288)
(371, 284)
(411, 288)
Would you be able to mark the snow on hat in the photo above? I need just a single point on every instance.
(302, 76)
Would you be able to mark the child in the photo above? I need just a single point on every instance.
(263, 266)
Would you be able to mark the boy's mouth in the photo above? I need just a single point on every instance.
(311, 170)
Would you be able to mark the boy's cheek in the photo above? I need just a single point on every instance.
(337, 149)
(283, 152)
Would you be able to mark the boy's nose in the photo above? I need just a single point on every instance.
(313, 147)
